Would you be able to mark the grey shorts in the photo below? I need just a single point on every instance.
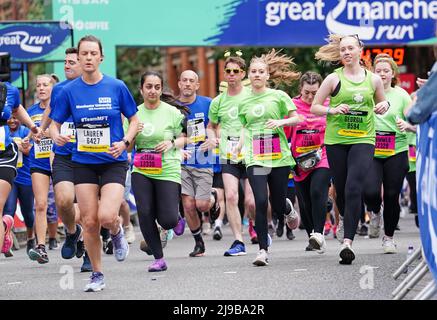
(197, 183)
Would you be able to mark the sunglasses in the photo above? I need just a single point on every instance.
(235, 71)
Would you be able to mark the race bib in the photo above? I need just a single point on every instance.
(68, 129)
(266, 147)
(148, 161)
(43, 148)
(353, 124)
(231, 144)
(20, 154)
(385, 143)
(94, 138)
(412, 153)
(2, 139)
(196, 130)
(307, 140)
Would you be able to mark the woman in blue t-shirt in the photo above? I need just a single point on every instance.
(97, 103)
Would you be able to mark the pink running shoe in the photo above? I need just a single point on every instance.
(9, 240)
(180, 227)
(328, 226)
(158, 266)
(252, 233)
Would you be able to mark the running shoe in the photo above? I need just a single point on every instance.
(317, 241)
(310, 247)
(388, 245)
(363, 230)
(53, 244)
(290, 235)
(269, 240)
(80, 249)
(218, 235)
(180, 227)
(374, 225)
(199, 250)
(96, 283)
(158, 266)
(69, 249)
(271, 229)
(347, 254)
(237, 249)
(129, 233)
(8, 239)
(327, 228)
(31, 243)
(108, 246)
(145, 247)
(86, 265)
(121, 247)
(292, 217)
(262, 259)
(39, 254)
(252, 233)
(163, 235)
(214, 212)
(340, 230)
(280, 229)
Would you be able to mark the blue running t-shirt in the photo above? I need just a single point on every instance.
(12, 102)
(23, 163)
(197, 121)
(67, 127)
(96, 111)
(40, 153)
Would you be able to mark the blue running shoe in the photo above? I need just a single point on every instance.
(237, 249)
(97, 282)
(69, 248)
(121, 247)
(86, 266)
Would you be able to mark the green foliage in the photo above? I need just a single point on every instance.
(132, 63)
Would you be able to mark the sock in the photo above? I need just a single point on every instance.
(219, 223)
(197, 234)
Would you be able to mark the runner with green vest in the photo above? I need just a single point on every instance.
(156, 176)
(390, 164)
(350, 131)
(411, 175)
(223, 112)
(268, 156)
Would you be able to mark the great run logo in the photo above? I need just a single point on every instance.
(371, 20)
(27, 42)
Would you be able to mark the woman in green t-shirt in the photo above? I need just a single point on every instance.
(268, 158)
(156, 176)
(390, 163)
(350, 130)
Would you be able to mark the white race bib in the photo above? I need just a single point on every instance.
(95, 138)
(68, 129)
(196, 130)
(43, 149)
(20, 154)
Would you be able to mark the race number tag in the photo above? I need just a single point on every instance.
(148, 161)
(196, 130)
(43, 148)
(68, 129)
(231, 144)
(385, 143)
(266, 147)
(2, 139)
(307, 140)
(20, 154)
(353, 124)
(412, 153)
(94, 138)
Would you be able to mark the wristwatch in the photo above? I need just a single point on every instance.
(126, 142)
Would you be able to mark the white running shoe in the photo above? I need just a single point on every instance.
(317, 241)
(374, 225)
(292, 218)
(340, 230)
(129, 233)
(347, 254)
(388, 245)
(262, 259)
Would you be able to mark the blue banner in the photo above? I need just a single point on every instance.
(427, 189)
(308, 22)
(35, 41)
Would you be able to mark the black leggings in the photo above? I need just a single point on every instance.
(349, 165)
(277, 180)
(390, 173)
(156, 200)
(312, 194)
(411, 178)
